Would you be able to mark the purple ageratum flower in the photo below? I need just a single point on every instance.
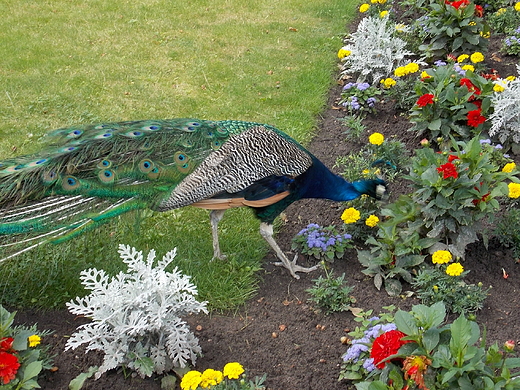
(371, 101)
(459, 70)
(348, 86)
(507, 41)
(369, 365)
(498, 146)
(506, 155)
(375, 318)
(485, 141)
(439, 63)
(347, 236)
(355, 105)
(363, 86)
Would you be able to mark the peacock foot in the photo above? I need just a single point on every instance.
(293, 267)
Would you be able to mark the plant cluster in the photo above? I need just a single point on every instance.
(323, 243)
(359, 98)
(373, 50)
(331, 294)
(232, 377)
(505, 120)
(511, 44)
(507, 231)
(376, 8)
(418, 349)
(445, 283)
(455, 189)
(452, 27)
(22, 357)
(504, 19)
(452, 100)
(136, 316)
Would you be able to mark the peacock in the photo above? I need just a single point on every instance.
(89, 174)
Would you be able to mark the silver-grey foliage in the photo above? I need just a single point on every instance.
(505, 119)
(375, 50)
(136, 316)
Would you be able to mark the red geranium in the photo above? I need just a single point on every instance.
(451, 157)
(475, 118)
(8, 367)
(448, 170)
(471, 88)
(458, 4)
(479, 11)
(6, 344)
(386, 345)
(425, 99)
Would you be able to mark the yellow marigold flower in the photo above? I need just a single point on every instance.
(468, 67)
(511, 78)
(376, 138)
(364, 8)
(191, 380)
(441, 257)
(517, 6)
(388, 82)
(382, 1)
(372, 221)
(454, 269)
(342, 53)
(508, 168)
(373, 1)
(514, 190)
(382, 14)
(400, 71)
(462, 57)
(500, 11)
(476, 57)
(472, 23)
(233, 370)
(485, 35)
(34, 340)
(350, 215)
(412, 67)
(365, 171)
(210, 378)
(499, 87)
(425, 75)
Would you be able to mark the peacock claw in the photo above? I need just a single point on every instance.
(220, 256)
(293, 267)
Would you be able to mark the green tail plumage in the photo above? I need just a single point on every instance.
(90, 174)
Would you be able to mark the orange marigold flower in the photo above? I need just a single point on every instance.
(414, 369)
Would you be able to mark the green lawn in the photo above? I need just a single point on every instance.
(66, 62)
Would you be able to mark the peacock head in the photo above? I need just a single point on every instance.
(375, 188)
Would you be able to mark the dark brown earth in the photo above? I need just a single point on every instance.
(278, 332)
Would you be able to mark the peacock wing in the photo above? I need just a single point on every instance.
(86, 175)
(244, 159)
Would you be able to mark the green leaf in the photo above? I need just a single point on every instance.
(435, 124)
(32, 370)
(405, 322)
(431, 338)
(460, 335)
(77, 382)
(393, 287)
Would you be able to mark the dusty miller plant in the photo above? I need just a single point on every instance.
(505, 120)
(374, 50)
(136, 316)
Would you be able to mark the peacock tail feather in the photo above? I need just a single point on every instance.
(87, 175)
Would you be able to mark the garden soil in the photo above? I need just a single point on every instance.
(278, 332)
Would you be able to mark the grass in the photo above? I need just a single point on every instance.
(68, 62)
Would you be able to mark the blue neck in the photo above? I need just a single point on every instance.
(320, 182)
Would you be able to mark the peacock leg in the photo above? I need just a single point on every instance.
(266, 230)
(215, 217)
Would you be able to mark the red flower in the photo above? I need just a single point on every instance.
(6, 344)
(479, 11)
(477, 103)
(448, 170)
(386, 345)
(8, 367)
(451, 157)
(475, 119)
(471, 88)
(458, 4)
(425, 99)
